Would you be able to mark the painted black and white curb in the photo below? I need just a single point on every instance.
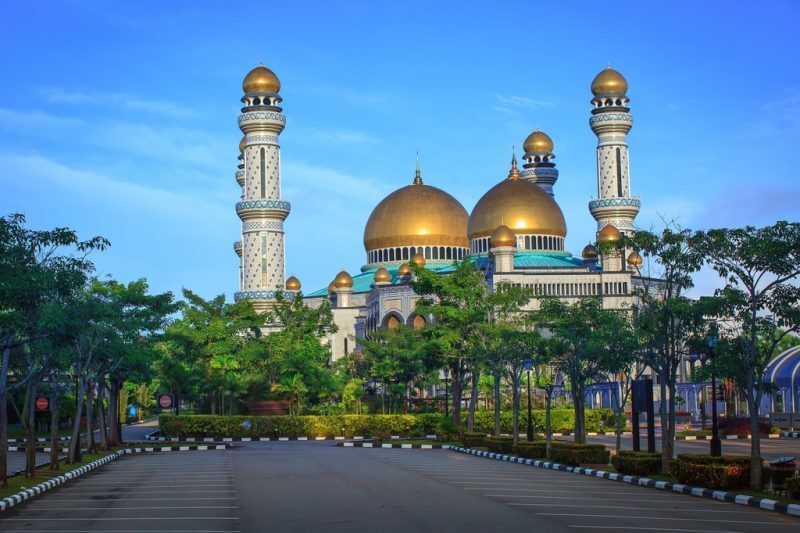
(155, 436)
(732, 497)
(14, 499)
(725, 437)
(60, 439)
(393, 445)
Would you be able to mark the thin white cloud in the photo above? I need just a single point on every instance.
(522, 101)
(339, 137)
(300, 177)
(129, 102)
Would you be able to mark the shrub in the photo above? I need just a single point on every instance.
(572, 454)
(473, 440)
(793, 488)
(446, 429)
(726, 472)
(531, 450)
(297, 426)
(499, 444)
(740, 425)
(561, 420)
(634, 463)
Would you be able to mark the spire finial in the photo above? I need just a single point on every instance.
(513, 174)
(418, 174)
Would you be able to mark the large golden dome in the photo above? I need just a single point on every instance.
(538, 141)
(261, 80)
(417, 215)
(609, 82)
(519, 204)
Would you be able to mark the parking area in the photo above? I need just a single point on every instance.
(192, 491)
(562, 501)
(16, 460)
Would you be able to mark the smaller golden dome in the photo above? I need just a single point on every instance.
(261, 80)
(343, 280)
(634, 259)
(404, 270)
(609, 82)
(609, 233)
(589, 252)
(418, 260)
(538, 141)
(503, 236)
(331, 288)
(292, 284)
(382, 275)
(242, 145)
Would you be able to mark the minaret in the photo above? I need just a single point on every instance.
(237, 246)
(611, 120)
(262, 211)
(539, 167)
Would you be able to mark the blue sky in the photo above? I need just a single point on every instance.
(119, 118)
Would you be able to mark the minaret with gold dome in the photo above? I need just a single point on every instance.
(261, 208)
(539, 167)
(611, 121)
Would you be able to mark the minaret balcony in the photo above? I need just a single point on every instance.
(254, 121)
(253, 209)
(261, 295)
(237, 247)
(627, 207)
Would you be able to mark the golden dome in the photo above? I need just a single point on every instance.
(343, 280)
(634, 259)
(241, 145)
(404, 270)
(609, 82)
(520, 205)
(417, 215)
(382, 275)
(261, 80)
(503, 236)
(538, 141)
(331, 288)
(292, 284)
(418, 260)
(609, 233)
(589, 252)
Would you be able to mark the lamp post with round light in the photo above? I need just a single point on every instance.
(528, 366)
(716, 445)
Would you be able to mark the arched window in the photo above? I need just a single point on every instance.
(449, 253)
(405, 252)
(427, 252)
(391, 254)
(527, 242)
(392, 322)
(441, 252)
(435, 252)
(418, 322)
(539, 239)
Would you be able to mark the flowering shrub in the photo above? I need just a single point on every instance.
(726, 472)
(740, 425)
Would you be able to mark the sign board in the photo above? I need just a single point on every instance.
(132, 410)
(166, 401)
(720, 396)
(42, 403)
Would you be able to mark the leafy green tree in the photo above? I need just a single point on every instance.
(545, 379)
(760, 267)
(36, 268)
(459, 304)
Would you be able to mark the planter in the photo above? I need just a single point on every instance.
(269, 407)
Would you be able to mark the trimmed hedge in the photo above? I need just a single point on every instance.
(793, 488)
(740, 425)
(531, 450)
(726, 472)
(561, 420)
(473, 440)
(182, 426)
(499, 444)
(637, 463)
(572, 454)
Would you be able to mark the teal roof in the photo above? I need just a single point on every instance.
(362, 282)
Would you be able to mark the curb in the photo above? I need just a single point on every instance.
(152, 437)
(38, 449)
(792, 509)
(725, 437)
(394, 446)
(14, 499)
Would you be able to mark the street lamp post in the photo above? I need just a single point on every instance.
(446, 373)
(716, 445)
(528, 366)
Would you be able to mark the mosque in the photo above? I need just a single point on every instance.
(515, 233)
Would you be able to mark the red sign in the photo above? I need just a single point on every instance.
(42, 403)
(165, 401)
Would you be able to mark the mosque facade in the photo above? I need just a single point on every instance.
(515, 233)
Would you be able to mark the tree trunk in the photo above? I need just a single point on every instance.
(669, 431)
(91, 446)
(28, 420)
(755, 444)
(497, 428)
(4, 417)
(666, 446)
(54, 419)
(577, 401)
(74, 455)
(473, 400)
(548, 401)
(101, 394)
(457, 383)
(515, 407)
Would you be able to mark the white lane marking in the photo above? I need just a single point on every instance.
(122, 530)
(583, 498)
(192, 518)
(572, 505)
(550, 490)
(51, 500)
(113, 508)
(639, 528)
(111, 483)
(651, 517)
(73, 491)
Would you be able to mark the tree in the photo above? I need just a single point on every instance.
(545, 379)
(458, 304)
(760, 267)
(666, 320)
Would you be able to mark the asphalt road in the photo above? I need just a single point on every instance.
(16, 460)
(305, 486)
